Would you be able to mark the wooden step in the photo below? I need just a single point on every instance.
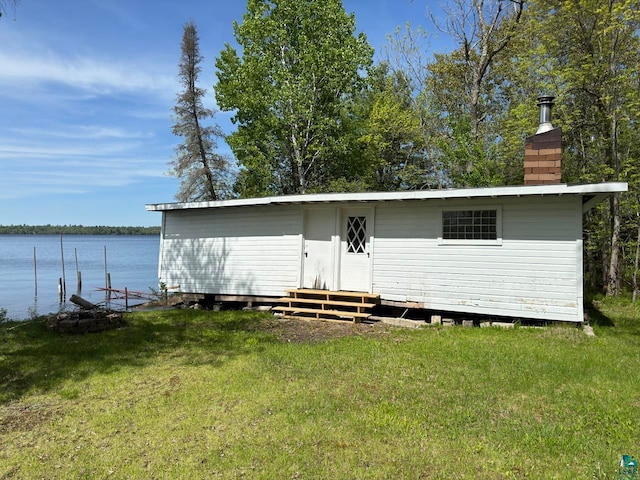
(326, 304)
(319, 319)
(335, 313)
(329, 293)
(318, 301)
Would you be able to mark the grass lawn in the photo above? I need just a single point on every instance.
(193, 394)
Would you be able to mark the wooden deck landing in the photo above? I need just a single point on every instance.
(327, 305)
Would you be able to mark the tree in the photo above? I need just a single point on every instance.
(408, 80)
(595, 49)
(459, 94)
(299, 67)
(483, 29)
(393, 137)
(471, 104)
(203, 172)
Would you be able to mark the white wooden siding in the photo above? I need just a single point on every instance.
(234, 251)
(257, 250)
(535, 273)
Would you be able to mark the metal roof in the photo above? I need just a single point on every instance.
(592, 195)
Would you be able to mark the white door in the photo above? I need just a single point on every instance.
(319, 253)
(355, 249)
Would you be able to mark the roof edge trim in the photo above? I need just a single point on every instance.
(606, 189)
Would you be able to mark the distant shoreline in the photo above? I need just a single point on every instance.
(76, 230)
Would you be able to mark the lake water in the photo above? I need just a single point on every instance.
(132, 262)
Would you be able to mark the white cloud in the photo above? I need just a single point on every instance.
(29, 150)
(40, 161)
(79, 124)
(93, 76)
(49, 178)
(82, 132)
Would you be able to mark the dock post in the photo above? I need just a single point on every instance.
(64, 280)
(78, 275)
(35, 271)
(106, 281)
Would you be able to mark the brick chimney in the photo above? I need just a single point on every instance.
(543, 151)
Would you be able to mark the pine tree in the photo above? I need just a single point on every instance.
(203, 172)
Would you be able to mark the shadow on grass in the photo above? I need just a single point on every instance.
(619, 312)
(596, 317)
(33, 359)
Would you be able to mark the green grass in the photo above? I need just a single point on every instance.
(184, 394)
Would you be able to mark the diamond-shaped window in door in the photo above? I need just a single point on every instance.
(356, 234)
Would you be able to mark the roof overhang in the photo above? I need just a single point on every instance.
(592, 194)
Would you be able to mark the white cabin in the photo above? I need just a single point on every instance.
(506, 251)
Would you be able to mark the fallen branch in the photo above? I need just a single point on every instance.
(82, 303)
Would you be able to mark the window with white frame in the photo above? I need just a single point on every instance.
(472, 225)
(356, 234)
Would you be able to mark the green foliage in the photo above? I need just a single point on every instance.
(447, 81)
(469, 161)
(467, 146)
(593, 50)
(76, 230)
(289, 88)
(467, 92)
(160, 294)
(459, 150)
(393, 137)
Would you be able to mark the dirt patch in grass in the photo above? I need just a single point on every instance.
(24, 418)
(296, 330)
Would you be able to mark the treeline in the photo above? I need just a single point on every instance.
(76, 230)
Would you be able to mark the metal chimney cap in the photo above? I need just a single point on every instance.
(545, 103)
(546, 99)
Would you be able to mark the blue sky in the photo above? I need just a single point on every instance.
(87, 89)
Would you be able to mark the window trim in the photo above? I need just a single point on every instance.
(496, 242)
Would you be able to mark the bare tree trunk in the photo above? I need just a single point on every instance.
(206, 168)
(301, 177)
(298, 160)
(613, 277)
